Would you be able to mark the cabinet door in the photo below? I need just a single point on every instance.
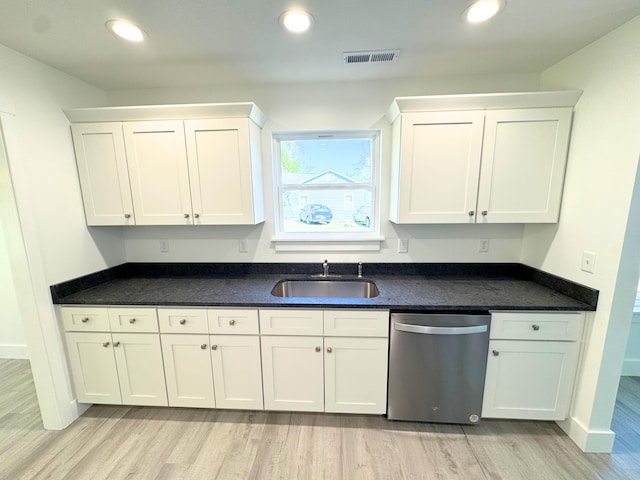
(187, 364)
(104, 178)
(158, 171)
(221, 171)
(355, 375)
(292, 370)
(523, 163)
(237, 371)
(93, 367)
(529, 379)
(436, 173)
(140, 369)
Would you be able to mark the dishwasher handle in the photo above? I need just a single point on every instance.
(406, 327)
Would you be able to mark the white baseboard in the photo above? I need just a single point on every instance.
(14, 351)
(631, 367)
(589, 441)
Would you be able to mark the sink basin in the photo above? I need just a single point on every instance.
(326, 289)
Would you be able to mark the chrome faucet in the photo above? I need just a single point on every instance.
(359, 269)
(325, 269)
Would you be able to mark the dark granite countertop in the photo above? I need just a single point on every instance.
(402, 287)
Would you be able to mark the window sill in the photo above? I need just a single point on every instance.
(302, 244)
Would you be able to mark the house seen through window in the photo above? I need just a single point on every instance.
(326, 183)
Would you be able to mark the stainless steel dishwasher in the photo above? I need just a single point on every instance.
(437, 365)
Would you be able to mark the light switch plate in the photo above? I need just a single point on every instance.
(588, 261)
(403, 245)
(483, 245)
(243, 246)
(164, 246)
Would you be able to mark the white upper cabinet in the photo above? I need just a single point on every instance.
(224, 169)
(104, 178)
(170, 165)
(496, 158)
(158, 171)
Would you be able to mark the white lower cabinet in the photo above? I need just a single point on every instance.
(531, 365)
(292, 371)
(355, 375)
(118, 368)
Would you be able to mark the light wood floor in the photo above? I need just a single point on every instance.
(111, 442)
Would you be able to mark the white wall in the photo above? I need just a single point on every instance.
(13, 341)
(357, 105)
(57, 243)
(599, 214)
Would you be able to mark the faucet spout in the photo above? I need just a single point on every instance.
(325, 269)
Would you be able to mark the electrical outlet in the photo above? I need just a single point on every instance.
(164, 246)
(243, 245)
(588, 261)
(483, 245)
(403, 245)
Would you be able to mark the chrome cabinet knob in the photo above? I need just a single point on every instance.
(471, 213)
(127, 215)
(116, 344)
(495, 353)
(106, 344)
(484, 213)
(232, 322)
(318, 349)
(196, 215)
(214, 347)
(186, 215)
(132, 321)
(329, 349)
(535, 327)
(85, 320)
(183, 321)
(203, 346)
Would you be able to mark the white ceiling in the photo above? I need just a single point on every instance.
(208, 42)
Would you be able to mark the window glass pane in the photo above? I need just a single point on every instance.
(326, 161)
(325, 210)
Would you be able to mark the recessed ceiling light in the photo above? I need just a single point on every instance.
(482, 10)
(126, 30)
(296, 21)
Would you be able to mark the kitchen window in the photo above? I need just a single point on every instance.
(322, 180)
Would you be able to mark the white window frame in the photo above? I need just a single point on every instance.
(302, 241)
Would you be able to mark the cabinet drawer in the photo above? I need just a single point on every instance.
(182, 320)
(83, 319)
(238, 322)
(133, 319)
(291, 322)
(356, 323)
(565, 326)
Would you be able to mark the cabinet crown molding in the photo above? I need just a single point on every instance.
(483, 101)
(167, 112)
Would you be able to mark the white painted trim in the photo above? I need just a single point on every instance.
(482, 101)
(631, 367)
(167, 112)
(589, 441)
(14, 351)
(6, 105)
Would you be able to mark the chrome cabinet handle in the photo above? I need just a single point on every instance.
(183, 321)
(214, 347)
(186, 215)
(85, 320)
(535, 327)
(127, 215)
(329, 349)
(484, 213)
(196, 215)
(471, 213)
(203, 346)
(318, 349)
(232, 322)
(495, 353)
(132, 321)
(116, 344)
(106, 344)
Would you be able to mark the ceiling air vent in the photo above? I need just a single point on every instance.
(372, 56)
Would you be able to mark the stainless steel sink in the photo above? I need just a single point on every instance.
(326, 289)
